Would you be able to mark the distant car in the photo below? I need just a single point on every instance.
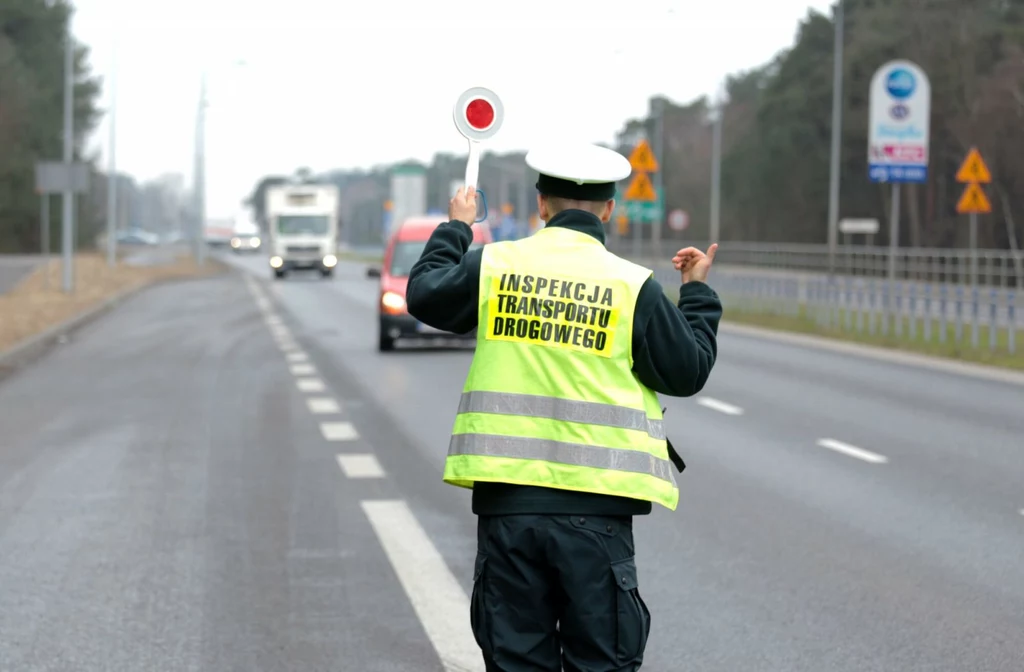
(246, 242)
(403, 250)
(137, 237)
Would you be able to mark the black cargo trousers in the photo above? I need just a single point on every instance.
(553, 593)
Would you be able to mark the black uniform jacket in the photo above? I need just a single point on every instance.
(674, 348)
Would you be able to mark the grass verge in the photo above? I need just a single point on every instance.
(803, 322)
(38, 303)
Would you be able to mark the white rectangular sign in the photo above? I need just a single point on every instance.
(899, 119)
(869, 226)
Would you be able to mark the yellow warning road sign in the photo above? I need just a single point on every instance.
(974, 169)
(642, 158)
(641, 189)
(974, 201)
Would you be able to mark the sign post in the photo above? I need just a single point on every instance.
(973, 172)
(642, 200)
(70, 179)
(898, 138)
(478, 115)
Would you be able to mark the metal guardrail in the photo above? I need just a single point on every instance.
(995, 268)
(986, 317)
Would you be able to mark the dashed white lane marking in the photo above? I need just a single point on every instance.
(1021, 512)
(363, 465)
(297, 357)
(720, 406)
(303, 369)
(272, 320)
(287, 345)
(438, 599)
(322, 405)
(310, 385)
(339, 431)
(852, 451)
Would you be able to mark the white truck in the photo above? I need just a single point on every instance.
(302, 228)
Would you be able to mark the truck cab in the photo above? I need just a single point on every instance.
(302, 228)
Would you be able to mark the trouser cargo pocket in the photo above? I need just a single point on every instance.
(633, 620)
(479, 618)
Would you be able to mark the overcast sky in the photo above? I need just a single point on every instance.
(338, 84)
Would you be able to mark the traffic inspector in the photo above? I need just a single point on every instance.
(559, 430)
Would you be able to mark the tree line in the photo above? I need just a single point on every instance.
(776, 130)
(32, 52)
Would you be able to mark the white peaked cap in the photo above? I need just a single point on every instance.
(582, 163)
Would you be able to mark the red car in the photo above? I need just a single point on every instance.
(404, 249)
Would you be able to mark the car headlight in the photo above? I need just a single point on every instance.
(276, 262)
(255, 242)
(330, 261)
(235, 242)
(392, 301)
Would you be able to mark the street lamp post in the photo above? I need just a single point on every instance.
(199, 190)
(714, 228)
(199, 179)
(112, 169)
(68, 223)
(837, 118)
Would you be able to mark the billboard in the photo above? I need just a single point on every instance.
(899, 113)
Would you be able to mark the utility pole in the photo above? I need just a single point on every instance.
(69, 156)
(199, 187)
(659, 182)
(714, 229)
(837, 134)
(112, 209)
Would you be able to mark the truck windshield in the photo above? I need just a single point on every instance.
(406, 254)
(303, 225)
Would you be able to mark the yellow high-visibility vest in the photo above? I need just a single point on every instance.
(550, 399)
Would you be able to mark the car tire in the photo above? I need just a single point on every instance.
(279, 275)
(327, 273)
(384, 342)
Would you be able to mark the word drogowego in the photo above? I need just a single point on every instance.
(553, 311)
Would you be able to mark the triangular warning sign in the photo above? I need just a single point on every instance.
(973, 169)
(974, 201)
(641, 189)
(642, 158)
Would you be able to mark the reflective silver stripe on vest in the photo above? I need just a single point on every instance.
(566, 410)
(577, 454)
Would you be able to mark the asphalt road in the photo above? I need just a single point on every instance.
(13, 268)
(235, 479)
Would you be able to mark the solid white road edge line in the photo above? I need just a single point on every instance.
(878, 353)
(362, 465)
(310, 385)
(436, 596)
(322, 405)
(339, 431)
(852, 451)
(720, 406)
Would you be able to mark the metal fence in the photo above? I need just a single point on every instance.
(994, 268)
(925, 313)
